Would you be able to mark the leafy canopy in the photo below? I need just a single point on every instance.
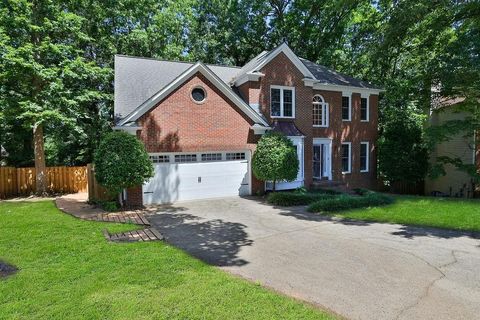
(275, 158)
(402, 153)
(121, 162)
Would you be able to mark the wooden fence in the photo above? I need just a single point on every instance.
(95, 190)
(22, 182)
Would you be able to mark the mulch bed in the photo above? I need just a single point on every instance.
(6, 269)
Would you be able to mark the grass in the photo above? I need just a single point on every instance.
(69, 271)
(443, 213)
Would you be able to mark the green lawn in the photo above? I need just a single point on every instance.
(424, 211)
(69, 271)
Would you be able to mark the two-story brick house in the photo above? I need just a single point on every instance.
(200, 123)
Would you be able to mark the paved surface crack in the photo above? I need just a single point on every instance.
(430, 285)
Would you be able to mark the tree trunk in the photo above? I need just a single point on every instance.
(274, 185)
(39, 151)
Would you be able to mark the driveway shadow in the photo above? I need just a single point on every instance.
(411, 232)
(216, 241)
(406, 231)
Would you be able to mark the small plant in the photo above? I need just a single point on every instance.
(109, 205)
(295, 198)
(346, 202)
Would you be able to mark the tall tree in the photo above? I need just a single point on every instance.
(44, 74)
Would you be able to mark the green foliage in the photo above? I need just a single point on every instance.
(295, 198)
(72, 272)
(447, 213)
(346, 202)
(402, 154)
(121, 162)
(275, 159)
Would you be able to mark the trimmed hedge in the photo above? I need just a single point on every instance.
(288, 199)
(345, 202)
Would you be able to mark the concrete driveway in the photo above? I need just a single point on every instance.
(360, 270)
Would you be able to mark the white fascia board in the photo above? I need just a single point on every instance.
(339, 88)
(249, 76)
(198, 67)
(258, 129)
(131, 130)
(292, 56)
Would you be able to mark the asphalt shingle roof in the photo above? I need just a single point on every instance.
(137, 79)
(329, 76)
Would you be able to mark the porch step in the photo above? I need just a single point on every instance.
(331, 185)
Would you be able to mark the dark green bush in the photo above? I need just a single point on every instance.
(121, 162)
(295, 198)
(345, 202)
(106, 205)
(362, 191)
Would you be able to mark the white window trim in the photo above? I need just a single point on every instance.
(349, 96)
(281, 101)
(325, 105)
(365, 96)
(368, 155)
(349, 157)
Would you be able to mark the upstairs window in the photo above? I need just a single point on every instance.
(364, 112)
(346, 108)
(346, 154)
(364, 156)
(320, 112)
(282, 102)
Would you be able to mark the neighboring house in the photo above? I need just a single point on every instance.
(200, 123)
(454, 183)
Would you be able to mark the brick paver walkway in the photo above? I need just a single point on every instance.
(76, 205)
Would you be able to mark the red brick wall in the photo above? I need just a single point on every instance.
(178, 124)
(281, 71)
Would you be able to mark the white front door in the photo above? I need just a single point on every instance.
(322, 159)
(299, 181)
(190, 176)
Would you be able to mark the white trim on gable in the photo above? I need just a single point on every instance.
(254, 74)
(249, 76)
(290, 55)
(212, 77)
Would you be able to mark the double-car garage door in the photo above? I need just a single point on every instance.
(190, 176)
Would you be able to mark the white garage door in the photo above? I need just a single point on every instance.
(189, 176)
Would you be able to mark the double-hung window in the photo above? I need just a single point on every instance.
(364, 155)
(347, 108)
(282, 102)
(346, 155)
(320, 112)
(364, 109)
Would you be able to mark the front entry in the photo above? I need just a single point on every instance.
(322, 159)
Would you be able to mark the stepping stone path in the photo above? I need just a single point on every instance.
(148, 234)
(76, 205)
(120, 217)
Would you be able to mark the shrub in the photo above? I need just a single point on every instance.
(121, 162)
(345, 202)
(106, 205)
(275, 159)
(295, 198)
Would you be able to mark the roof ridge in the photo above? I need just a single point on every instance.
(177, 61)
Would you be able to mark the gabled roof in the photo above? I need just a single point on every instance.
(254, 66)
(137, 79)
(165, 90)
(316, 73)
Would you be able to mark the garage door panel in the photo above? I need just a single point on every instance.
(189, 181)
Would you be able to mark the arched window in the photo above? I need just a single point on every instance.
(320, 112)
